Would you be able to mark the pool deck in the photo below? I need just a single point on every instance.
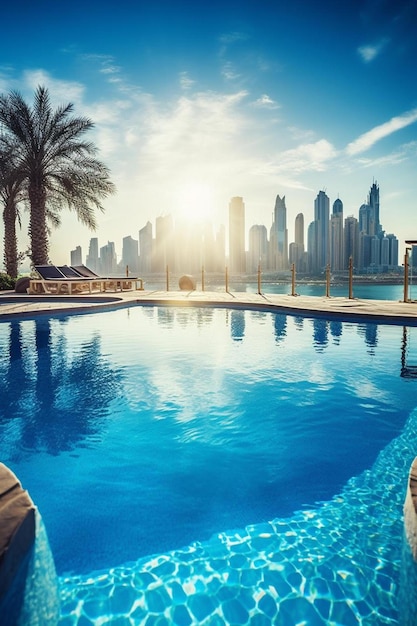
(387, 311)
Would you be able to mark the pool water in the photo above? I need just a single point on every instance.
(214, 466)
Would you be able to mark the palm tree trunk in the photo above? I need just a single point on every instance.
(10, 238)
(37, 225)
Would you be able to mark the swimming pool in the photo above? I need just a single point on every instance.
(211, 465)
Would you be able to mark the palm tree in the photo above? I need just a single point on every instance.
(57, 164)
(11, 193)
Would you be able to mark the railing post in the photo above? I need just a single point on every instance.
(227, 280)
(406, 275)
(327, 281)
(127, 271)
(350, 278)
(259, 279)
(167, 278)
(293, 279)
(202, 278)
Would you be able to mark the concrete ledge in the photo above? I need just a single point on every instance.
(17, 526)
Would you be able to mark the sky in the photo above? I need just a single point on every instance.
(194, 104)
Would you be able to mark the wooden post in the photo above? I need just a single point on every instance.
(327, 281)
(293, 279)
(127, 271)
(406, 276)
(259, 279)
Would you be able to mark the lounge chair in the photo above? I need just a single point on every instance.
(121, 282)
(68, 279)
(59, 280)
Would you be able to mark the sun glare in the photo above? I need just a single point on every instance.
(195, 201)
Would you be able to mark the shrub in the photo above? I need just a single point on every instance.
(6, 282)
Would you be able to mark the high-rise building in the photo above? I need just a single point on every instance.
(296, 249)
(279, 236)
(108, 259)
(145, 249)
(311, 247)
(321, 218)
(208, 260)
(299, 230)
(336, 237)
(393, 250)
(76, 256)
(351, 240)
(237, 253)
(220, 249)
(258, 248)
(373, 201)
(164, 250)
(130, 254)
(92, 260)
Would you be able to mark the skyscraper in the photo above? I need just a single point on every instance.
(145, 248)
(321, 217)
(130, 254)
(258, 247)
(373, 201)
(92, 256)
(76, 256)
(108, 259)
(237, 254)
(351, 240)
(336, 237)
(296, 249)
(279, 236)
(164, 252)
(299, 230)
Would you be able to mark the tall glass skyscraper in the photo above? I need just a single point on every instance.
(279, 236)
(237, 254)
(321, 217)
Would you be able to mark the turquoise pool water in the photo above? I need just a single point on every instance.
(210, 466)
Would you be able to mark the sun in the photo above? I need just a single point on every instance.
(195, 201)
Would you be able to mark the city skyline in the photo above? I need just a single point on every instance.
(331, 239)
(193, 106)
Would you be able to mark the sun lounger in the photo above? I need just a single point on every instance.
(60, 280)
(67, 279)
(121, 282)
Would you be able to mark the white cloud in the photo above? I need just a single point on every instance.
(60, 91)
(266, 102)
(232, 37)
(185, 81)
(229, 72)
(369, 52)
(307, 157)
(368, 139)
(403, 153)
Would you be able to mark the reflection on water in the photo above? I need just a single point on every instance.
(200, 420)
(56, 399)
(408, 355)
(237, 325)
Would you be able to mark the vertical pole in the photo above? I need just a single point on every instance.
(327, 281)
(350, 278)
(227, 280)
(202, 278)
(127, 271)
(293, 279)
(259, 279)
(406, 275)
(167, 278)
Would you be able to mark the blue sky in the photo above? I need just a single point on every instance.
(195, 104)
